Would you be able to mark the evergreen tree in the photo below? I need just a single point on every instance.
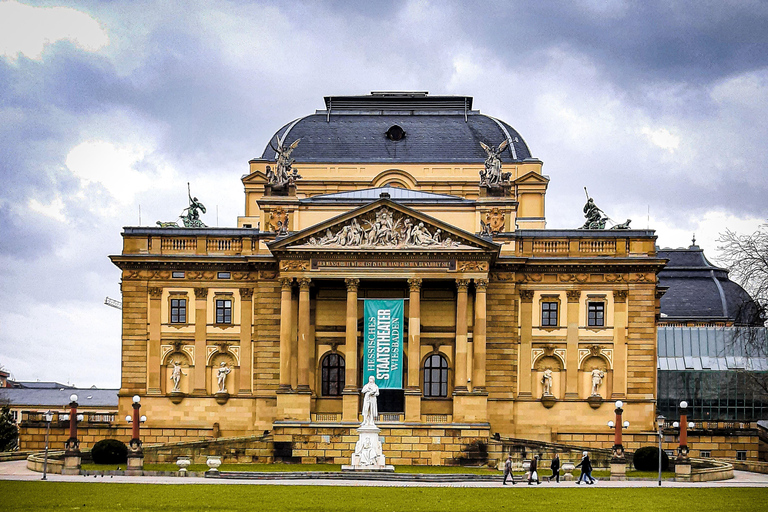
(9, 434)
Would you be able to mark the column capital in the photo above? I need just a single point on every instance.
(462, 285)
(526, 295)
(155, 292)
(573, 295)
(352, 284)
(246, 293)
(414, 284)
(481, 284)
(304, 283)
(201, 293)
(620, 295)
(286, 283)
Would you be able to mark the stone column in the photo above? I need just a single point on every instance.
(285, 333)
(201, 331)
(478, 337)
(620, 343)
(246, 340)
(303, 335)
(460, 370)
(350, 393)
(413, 390)
(526, 337)
(155, 321)
(572, 346)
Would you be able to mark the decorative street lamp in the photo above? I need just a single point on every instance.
(660, 422)
(618, 461)
(135, 453)
(683, 463)
(72, 446)
(48, 419)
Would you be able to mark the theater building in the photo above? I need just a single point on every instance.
(400, 236)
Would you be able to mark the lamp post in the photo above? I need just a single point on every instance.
(660, 421)
(683, 463)
(135, 453)
(72, 446)
(48, 419)
(618, 461)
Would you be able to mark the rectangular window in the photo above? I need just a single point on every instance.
(596, 314)
(741, 455)
(223, 311)
(549, 314)
(178, 311)
(177, 275)
(223, 275)
(704, 454)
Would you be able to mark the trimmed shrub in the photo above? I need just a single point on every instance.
(647, 459)
(109, 451)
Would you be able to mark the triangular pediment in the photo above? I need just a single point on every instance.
(383, 225)
(531, 177)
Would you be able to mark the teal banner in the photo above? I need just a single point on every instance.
(383, 358)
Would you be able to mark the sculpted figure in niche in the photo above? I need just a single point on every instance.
(221, 376)
(176, 374)
(370, 406)
(597, 379)
(546, 379)
(367, 454)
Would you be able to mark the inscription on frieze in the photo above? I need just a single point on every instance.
(318, 264)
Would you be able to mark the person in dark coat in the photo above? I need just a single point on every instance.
(533, 468)
(555, 467)
(508, 470)
(586, 470)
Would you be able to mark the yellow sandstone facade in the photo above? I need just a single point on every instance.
(496, 307)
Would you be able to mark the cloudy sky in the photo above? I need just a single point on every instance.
(108, 108)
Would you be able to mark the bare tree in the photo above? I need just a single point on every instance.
(746, 256)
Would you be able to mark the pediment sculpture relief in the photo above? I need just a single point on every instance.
(384, 228)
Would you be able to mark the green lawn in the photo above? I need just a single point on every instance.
(106, 497)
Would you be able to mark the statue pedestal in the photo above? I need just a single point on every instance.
(368, 454)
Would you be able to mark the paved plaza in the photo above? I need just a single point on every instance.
(17, 470)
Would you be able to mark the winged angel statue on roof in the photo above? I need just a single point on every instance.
(492, 176)
(284, 173)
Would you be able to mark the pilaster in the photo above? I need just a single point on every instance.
(572, 344)
(526, 336)
(285, 333)
(201, 305)
(413, 391)
(620, 343)
(460, 369)
(303, 335)
(246, 340)
(350, 393)
(155, 321)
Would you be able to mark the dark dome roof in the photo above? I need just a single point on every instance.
(359, 129)
(700, 291)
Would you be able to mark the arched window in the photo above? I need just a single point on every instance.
(333, 375)
(436, 376)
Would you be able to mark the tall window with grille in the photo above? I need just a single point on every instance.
(549, 314)
(596, 314)
(223, 311)
(436, 376)
(333, 374)
(178, 311)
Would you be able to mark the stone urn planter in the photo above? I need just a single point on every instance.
(183, 463)
(568, 468)
(213, 463)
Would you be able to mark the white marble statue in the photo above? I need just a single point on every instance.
(221, 376)
(176, 375)
(370, 406)
(597, 379)
(546, 379)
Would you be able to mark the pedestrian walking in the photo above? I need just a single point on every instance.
(586, 470)
(555, 467)
(534, 474)
(508, 470)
